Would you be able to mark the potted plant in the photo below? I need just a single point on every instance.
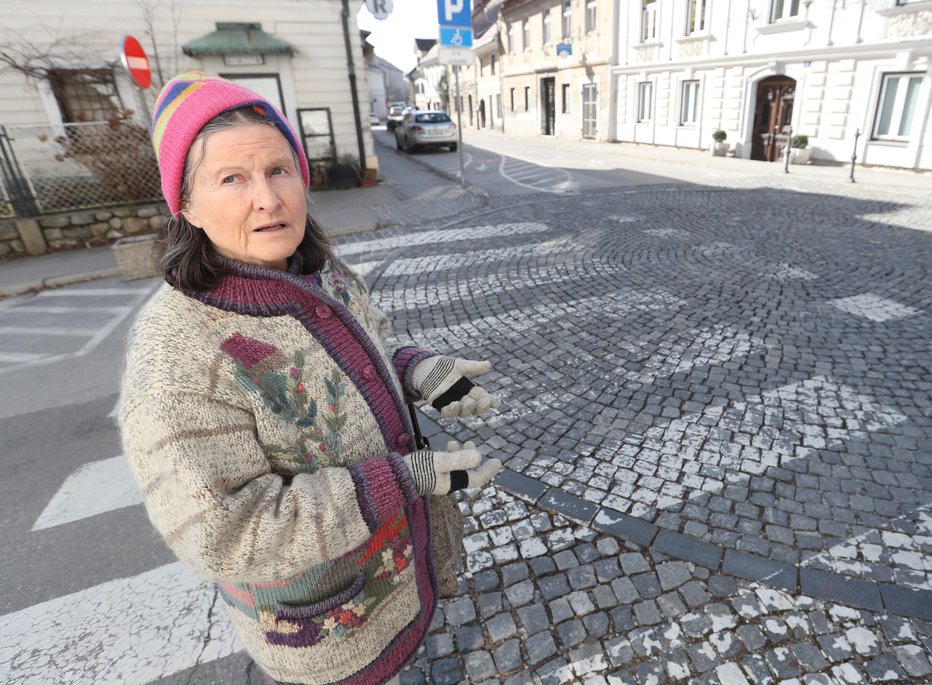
(800, 152)
(719, 147)
(344, 173)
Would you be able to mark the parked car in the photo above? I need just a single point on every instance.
(395, 112)
(374, 119)
(431, 128)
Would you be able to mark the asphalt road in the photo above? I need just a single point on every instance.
(716, 427)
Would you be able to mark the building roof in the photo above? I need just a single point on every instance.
(237, 38)
(424, 44)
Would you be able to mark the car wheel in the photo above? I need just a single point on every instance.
(453, 147)
(408, 147)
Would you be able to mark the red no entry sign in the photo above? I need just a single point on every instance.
(134, 59)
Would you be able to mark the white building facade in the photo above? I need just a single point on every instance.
(827, 68)
(294, 54)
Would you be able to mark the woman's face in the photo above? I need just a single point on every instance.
(247, 195)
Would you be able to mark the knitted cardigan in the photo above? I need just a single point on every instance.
(265, 422)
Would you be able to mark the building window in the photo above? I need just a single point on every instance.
(526, 29)
(897, 105)
(498, 105)
(645, 100)
(511, 38)
(648, 20)
(784, 9)
(567, 18)
(695, 17)
(512, 99)
(527, 98)
(492, 60)
(85, 94)
(546, 22)
(689, 105)
(590, 15)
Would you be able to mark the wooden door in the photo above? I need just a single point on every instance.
(772, 115)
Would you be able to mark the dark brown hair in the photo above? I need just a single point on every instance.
(188, 260)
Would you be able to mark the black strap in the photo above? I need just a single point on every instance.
(420, 441)
(457, 391)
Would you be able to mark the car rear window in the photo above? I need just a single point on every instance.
(431, 118)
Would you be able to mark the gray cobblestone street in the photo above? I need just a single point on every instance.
(716, 424)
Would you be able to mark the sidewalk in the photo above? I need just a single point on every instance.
(879, 179)
(341, 212)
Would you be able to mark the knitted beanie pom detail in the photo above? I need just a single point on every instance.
(185, 105)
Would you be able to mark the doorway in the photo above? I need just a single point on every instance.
(773, 113)
(548, 105)
(482, 113)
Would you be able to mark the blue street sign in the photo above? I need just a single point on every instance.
(454, 13)
(455, 37)
(564, 49)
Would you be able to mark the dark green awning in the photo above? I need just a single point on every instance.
(233, 38)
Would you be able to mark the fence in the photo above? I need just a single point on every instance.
(47, 169)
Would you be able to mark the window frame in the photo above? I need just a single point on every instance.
(526, 33)
(783, 10)
(695, 10)
(591, 15)
(645, 105)
(63, 80)
(648, 19)
(546, 27)
(566, 93)
(895, 122)
(566, 23)
(689, 102)
(527, 98)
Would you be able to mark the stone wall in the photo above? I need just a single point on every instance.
(87, 228)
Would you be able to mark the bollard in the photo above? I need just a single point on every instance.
(786, 150)
(854, 152)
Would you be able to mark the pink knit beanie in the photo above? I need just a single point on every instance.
(189, 101)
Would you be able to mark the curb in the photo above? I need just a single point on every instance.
(57, 282)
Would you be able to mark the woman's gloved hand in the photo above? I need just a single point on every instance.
(440, 473)
(444, 383)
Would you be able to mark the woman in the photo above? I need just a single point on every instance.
(264, 415)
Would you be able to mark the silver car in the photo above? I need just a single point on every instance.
(422, 129)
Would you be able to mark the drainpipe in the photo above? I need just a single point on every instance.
(352, 81)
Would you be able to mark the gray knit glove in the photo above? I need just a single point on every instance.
(440, 473)
(444, 383)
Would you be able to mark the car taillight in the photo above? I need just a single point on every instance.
(415, 128)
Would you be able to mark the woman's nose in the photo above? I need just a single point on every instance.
(264, 196)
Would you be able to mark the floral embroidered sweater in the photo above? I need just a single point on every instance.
(265, 422)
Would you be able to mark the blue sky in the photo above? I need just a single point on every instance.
(394, 38)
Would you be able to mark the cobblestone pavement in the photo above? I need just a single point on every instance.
(717, 427)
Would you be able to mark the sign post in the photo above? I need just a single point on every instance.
(380, 9)
(455, 20)
(134, 59)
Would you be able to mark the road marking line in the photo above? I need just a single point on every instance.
(18, 357)
(92, 489)
(443, 236)
(129, 630)
(38, 330)
(873, 307)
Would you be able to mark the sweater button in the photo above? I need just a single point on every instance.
(322, 312)
(402, 440)
(369, 373)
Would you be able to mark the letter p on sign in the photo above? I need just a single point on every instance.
(451, 8)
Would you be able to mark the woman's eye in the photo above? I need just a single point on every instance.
(228, 179)
(278, 171)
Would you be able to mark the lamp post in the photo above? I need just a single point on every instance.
(854, 152)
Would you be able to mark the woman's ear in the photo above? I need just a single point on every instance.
(189, 216)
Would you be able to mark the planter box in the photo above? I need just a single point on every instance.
(341, 177)
(719, 149)
(800, 155)
(136, 256)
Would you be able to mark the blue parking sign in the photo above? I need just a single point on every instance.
(454, 13)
